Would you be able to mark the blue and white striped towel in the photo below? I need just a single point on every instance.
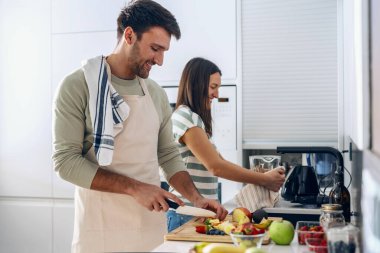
(108, 110)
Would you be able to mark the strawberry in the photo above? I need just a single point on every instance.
(202, 229)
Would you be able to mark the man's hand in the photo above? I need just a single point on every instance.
(212, 205)
(150, 196)
(153, 197)
(275, 179)
(181, 181)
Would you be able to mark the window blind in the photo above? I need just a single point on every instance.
(289, 63)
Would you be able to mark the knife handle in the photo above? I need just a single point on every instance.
(172, 204)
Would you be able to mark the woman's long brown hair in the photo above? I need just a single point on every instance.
(193, 89)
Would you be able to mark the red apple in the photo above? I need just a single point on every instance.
(249, 229)
(241, 215)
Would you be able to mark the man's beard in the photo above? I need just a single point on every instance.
(138, 69)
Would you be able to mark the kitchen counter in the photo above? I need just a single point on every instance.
(184, 247)
(292, 212)
(282, 207)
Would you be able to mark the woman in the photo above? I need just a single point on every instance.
(192, 128)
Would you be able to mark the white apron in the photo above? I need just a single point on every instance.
(109, 222)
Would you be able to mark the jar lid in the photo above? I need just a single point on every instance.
(331, 207)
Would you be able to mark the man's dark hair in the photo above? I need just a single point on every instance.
(142, 15)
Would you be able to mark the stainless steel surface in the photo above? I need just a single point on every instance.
(195, 211)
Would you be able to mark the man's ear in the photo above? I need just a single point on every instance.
(128, 35)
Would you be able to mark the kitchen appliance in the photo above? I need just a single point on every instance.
(264, 163)
(301, 184)
(190, 210)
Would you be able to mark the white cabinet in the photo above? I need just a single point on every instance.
(63, 225)
(26, 226)
(71, 16)
(224, 115)
(208, 30)
(205, 33)
(69, 50)
(291, 83)
(25, 103)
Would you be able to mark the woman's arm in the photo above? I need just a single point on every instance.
(197, 141)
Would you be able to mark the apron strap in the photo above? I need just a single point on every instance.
(143, 86)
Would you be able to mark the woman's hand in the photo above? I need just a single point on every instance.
(275, 179)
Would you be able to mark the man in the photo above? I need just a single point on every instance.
(112, 130)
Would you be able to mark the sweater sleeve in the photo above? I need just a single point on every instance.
(71, 136)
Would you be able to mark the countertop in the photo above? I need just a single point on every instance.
(184, 247)
(281, 207)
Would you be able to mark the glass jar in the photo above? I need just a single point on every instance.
(343, 239)
(331, 216)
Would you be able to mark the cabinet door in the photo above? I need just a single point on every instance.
(224, 116)
(72, 16)
(68, 50)
(290, 73)
(375, 75)
(25, 99)
(63, 225)
(26, 226)
(208, 30)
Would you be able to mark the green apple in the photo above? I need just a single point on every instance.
(254, 250)
(281, 232)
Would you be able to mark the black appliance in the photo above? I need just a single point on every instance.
(301, 185)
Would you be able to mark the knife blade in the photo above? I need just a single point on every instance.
(190, 210)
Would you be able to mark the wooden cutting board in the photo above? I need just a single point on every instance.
(186, 232)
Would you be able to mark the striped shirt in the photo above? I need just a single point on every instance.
(207, 184)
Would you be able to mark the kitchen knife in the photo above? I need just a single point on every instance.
(190, 210)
